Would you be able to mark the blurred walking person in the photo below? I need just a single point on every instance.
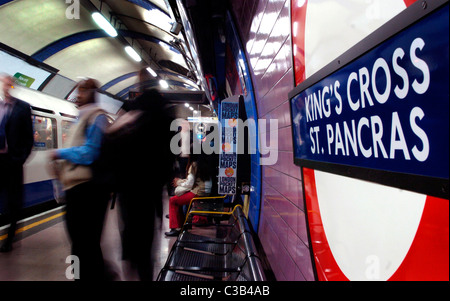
(86, 203)
(136, 163)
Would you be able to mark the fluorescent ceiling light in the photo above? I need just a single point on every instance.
(152, 72)
(186, 105)
(164, 84)
(133, 54)
(191, 108)
(104, 24)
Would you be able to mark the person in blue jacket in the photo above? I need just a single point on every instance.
(86, 202)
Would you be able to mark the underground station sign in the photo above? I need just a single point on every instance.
(383, 115)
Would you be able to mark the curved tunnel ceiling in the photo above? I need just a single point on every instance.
(77, 47)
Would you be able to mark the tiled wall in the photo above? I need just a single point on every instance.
(264, 27)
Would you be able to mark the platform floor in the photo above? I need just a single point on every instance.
(42, 256)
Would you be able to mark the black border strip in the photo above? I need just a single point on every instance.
(427, 185)
(437, 187)
(38, 109)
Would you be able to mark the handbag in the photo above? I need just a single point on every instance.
(58, 193)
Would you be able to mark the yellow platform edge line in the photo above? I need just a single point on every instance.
(35, 224)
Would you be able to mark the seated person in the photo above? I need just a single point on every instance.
(197, 184)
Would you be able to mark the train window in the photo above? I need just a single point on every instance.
(44, 133)
(65, 126)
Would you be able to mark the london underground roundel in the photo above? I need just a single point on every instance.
(376, 187)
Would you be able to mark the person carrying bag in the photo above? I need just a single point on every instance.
(86, 202)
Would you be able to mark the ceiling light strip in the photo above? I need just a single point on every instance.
(101, 21)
